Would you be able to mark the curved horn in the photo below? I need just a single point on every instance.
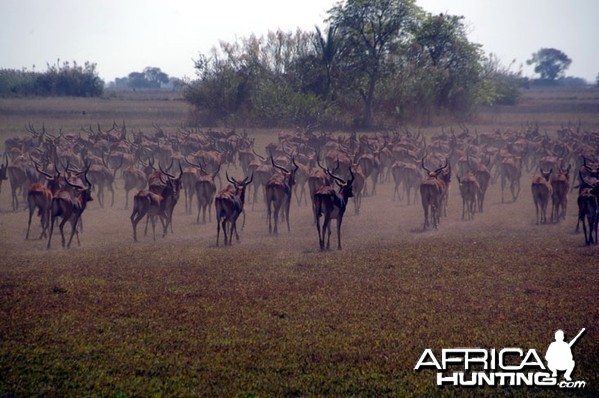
(164, 172)
(443, 167)
(260, 156)
(229, 179)
(85, 175)
(277, 166)
(42, 172)
(73, 185)
(427, 170)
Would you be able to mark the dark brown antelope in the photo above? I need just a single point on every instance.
(173, 197)
(469, 190)
(432, 190)
(3, 168)
(541, 192)
(331, 205)
(279, 189)
(229, 205)
(588, 209)
(70, 209)
(152, 205)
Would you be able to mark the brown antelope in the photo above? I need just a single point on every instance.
(70, 209)
(261, 172)
(483, 176)
(560, 182)
(469, 190)
(19, 175)
(171, 199)
(317, 179)
(432, 190)
(40, 197)
(102, 176)
(407, 174)
(229, 205)
(278, 193)
(588, 209)
(205, 188)
(331, 205)
(188, 180)
(511, 170)
(134, 178)
(370, 165)
(541, 192)
(152, 205)
(358, 188)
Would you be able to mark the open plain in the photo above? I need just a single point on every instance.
(274, 315)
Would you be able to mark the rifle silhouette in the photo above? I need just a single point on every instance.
(571, 343)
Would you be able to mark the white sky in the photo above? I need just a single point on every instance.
(124, 36)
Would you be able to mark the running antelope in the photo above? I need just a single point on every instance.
(331, 205)
(469, 190)
(560, 182)
(40, 197)
(541, 192)
(70, 208)
(278, 194)
(588, 208)
(432, 190)
(229, 205)
(205, 188)
(152, 205)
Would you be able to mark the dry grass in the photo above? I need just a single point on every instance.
(274, 316)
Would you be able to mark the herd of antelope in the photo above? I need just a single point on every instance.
(56, 174)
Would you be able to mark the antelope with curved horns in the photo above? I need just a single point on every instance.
(278, 194)
(432, 189)
(588, 208)
(205, 188)
(331, 205)
(469, 190)
(70, 209)
(173, 197)
(560, 182)
(541, 192)
(150, 204)
(229, 205)
(40, 197)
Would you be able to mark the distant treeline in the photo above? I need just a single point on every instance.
(66, 79)
(377, 63)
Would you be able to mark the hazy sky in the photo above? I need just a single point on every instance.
(123, 36)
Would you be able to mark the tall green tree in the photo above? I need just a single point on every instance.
(444, 54)
(550, 63)
(372, 29)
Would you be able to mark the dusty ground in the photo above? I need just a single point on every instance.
(273, 315)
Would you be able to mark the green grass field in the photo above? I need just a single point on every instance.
(275, 316)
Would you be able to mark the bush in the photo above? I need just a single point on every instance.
(59, 80)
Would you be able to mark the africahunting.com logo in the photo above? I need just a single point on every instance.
(471, 367)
